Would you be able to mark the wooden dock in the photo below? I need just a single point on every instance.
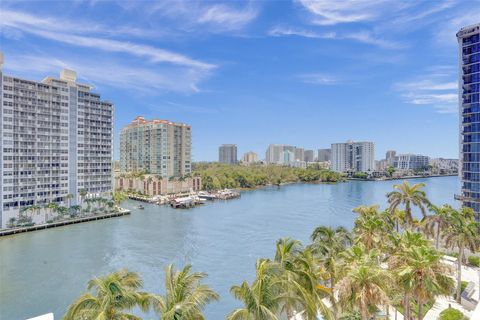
(13, 231)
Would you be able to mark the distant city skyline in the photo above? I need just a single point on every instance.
(320, 73)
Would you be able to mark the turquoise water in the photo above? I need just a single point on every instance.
(45, 271)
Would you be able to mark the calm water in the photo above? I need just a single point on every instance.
(44, 271)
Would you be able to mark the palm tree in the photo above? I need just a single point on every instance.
(462, 233)
(75, 209)
(82, 193)
(119, 197)
(69, 198)
(372, 229)
(112, 295)
(31, 210)
(398, 218)
(287, 249)
(261, 298)
(51, 208)
(420, 273)
(62, 211)
(408, 196)
(365, 284)
(293, 296)
(185, 296)
(149, 181)
(433, 225)
(12, 222)
(395, 244)
(309, 278)
(326, 237)
(366, 211)
(327, 244)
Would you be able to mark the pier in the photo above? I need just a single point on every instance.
(13, 231)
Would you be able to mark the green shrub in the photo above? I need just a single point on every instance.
(474, 261)
(451, 314)
(464, 285)
(351, 316)
(360, 175)
(452, 254)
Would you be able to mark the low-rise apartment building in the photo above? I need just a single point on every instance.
(152, 185)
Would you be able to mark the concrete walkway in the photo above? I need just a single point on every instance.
(469, 274)
(443, 303)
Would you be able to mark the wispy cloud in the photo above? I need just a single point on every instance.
(279, 31)
(318, 78)
(214, 18)
(422, 15)
(446, 31)
(22, 20)
(66, 33)
(225, 16)
(112, 74)
(326, 12)
(437, 89)
(359, 36)
(370, 38)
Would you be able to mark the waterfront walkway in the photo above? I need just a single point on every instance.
(12, 231)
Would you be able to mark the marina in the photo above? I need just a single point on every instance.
(187, 200)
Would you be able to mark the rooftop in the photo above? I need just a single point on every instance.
(468, 30)
(139, 120)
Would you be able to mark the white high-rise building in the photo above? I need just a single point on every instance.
(414, 162)
(353, 157)
(56, 139)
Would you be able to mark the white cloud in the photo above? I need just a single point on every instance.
(447, 30)
(157, 69)
(193, 16)
(111, 73)
(318, 79)
(436, 88)
(360, 36)
(421, 16)
(370, 38)
(327, 12)
(22, 20)
(227, 17)
(152, 53)
(282, 31)
(66, 32)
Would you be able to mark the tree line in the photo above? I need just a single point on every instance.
(217, 176)
(389, 259)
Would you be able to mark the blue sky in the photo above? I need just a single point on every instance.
(306, 73)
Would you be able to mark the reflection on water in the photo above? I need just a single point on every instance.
(44, 271)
